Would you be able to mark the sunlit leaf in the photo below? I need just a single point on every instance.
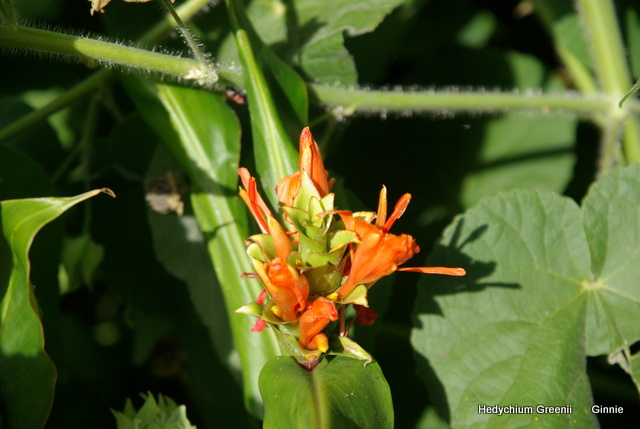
(27, 375)
(340, 392)
(324, 57)
(547, 285)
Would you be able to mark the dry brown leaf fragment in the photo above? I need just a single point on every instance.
(164, 194)
(98, 5)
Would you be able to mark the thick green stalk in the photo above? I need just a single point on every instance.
(631, 142)
(106, 53)
(613, 71)
(608, 49)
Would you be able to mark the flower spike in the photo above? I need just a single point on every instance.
(322, 261)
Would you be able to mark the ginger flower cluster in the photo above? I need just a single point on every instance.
(319, 260)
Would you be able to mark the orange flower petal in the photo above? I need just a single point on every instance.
(398, 211)
(435, 270)
(253, 200)
(315, 318)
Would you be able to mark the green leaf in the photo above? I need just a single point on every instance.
(81, 257)
(566, 28)
(324, 57)
(203, 135)
(522, 151)
(611, 213)
(547, 285)
(339, 393)
(27, 374)
(519, 150)
(181, 248)
(278, 104)
(635, 369)
(161, 414)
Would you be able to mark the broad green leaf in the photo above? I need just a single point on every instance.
(324, 57)
(202, 133)
(278, 103)
(547, 285)
(27, 374)
(611, 214)
(318, 35)
(339, 393)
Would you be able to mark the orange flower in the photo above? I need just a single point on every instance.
(315, 318)
(311, 169)
(379, 253)
(287, 287)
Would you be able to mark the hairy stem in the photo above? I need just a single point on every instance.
(186, 11)
(608, 49)
(352, 100)
(206, 68)
(106, 53)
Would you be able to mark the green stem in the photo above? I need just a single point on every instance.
(613, 71)
(608, 49)
(106, 53)
(351, 100)
(609, 146)
(631, 142)
(186, 10)
(206, 68)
